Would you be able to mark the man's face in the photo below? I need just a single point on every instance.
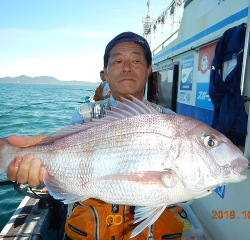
(127, 71)
(103, 77)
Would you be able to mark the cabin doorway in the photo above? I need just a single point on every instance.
(162, 87)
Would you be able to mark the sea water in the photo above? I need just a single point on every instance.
(30, 109)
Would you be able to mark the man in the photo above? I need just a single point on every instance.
(102, 76)
(102, 91)
(106, 91)
(127, 68)
(127, 65)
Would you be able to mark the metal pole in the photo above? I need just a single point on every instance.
(149, 34)
(147, 25)
(173, 20)
(246, 53)
(243, 74)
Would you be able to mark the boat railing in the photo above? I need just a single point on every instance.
(192, 48)
(33, 236)
(162, 44)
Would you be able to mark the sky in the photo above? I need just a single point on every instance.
(66, 39)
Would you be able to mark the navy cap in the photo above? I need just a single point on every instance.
(127, 37)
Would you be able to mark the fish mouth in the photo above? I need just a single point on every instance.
(239, 164)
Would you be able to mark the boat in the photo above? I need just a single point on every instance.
(38, 216)
(180, 81)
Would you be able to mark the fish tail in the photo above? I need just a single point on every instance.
(4, 159)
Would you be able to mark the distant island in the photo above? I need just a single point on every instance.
(43, 80)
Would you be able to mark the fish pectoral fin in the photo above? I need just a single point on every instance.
(169, 178)
(143, 177)
(57, 192)
(150, 213)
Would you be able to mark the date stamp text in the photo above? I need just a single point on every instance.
(230, 215)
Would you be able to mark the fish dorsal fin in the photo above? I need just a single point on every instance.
(125, 105)
(125, 109)
(114, 114)
(153, 110)
(148, 108)
(72, 129)
(123, 112)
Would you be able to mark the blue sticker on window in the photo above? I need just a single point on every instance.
(220, 191)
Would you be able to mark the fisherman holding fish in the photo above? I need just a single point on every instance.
(166, 175)
(127, 65)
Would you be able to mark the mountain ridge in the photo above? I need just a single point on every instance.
(23, 79)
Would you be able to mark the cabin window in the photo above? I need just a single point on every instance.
(162, 87)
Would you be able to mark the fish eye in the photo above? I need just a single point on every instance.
(210, 142)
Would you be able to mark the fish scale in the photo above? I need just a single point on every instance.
(140, 158)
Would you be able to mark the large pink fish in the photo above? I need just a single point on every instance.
(135, 156)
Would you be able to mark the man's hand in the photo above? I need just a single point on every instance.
(27, 169)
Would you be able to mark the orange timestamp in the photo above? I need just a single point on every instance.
(229, 215)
